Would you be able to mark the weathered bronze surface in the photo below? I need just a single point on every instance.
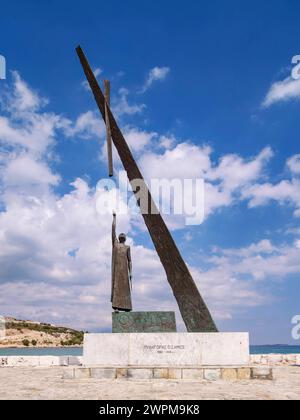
(108, 131)
(144, 322)
(121, 273)
(194, 311)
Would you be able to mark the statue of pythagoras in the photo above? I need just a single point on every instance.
(121, 272)
(194, 311)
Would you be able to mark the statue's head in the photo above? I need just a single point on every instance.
(122, 238)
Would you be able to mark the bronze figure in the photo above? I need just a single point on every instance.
(121, 272)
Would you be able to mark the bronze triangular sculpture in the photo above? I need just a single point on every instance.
(193, 309)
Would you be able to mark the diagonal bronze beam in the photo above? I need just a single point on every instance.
(193, 309)
(108, 131)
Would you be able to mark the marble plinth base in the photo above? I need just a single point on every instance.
(166, 350)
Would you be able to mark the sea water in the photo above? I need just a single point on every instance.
(35, 351)
(78, 351)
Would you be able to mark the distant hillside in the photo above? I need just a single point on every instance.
(35, 334)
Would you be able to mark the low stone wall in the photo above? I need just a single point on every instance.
(275, 359)
(35, 361)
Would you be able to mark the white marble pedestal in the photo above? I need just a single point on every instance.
(166, 350)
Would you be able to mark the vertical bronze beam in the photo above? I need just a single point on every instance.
(193, 309)
(108, 130)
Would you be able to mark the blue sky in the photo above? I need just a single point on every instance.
(228, 88)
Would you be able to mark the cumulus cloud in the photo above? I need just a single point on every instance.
(55, 250)
(167, 142)
(242, 277)
(122, 107)
(294, 164)
(234, 171)
(155, 74)
(24, 98)
(260, 261)
(282, 91)
(24, 170)
(184, 160)
(138, 139)
(88, 125)
(224, 180)
(236, 277)
(229, 180)
(285, 192)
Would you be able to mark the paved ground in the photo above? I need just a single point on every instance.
(46, 383)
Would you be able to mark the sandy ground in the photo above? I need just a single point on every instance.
(46, 383)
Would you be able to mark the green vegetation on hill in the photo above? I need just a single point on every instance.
(64, 336)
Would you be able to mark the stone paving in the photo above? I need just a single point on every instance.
(47, 383)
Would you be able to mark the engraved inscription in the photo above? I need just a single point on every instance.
(163, 349)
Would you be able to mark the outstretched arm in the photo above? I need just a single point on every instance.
(114, 227)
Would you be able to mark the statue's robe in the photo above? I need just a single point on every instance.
(121, 290)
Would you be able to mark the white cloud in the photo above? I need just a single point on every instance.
(285, 192)
(33, 132)
(224, 180)
(25, 99)
(55, 251)
(137, 139)
(261, 194)
(121, 106)
(260, 261)
(294, 164)
(185, 160)
(293, 231)
(297, 213)
(244, 276)
(282, 91)
(88, 125)
(24, 170)
(155, 74)
(167, 142)
(234, 171)
(28, 128)
(230, 180)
